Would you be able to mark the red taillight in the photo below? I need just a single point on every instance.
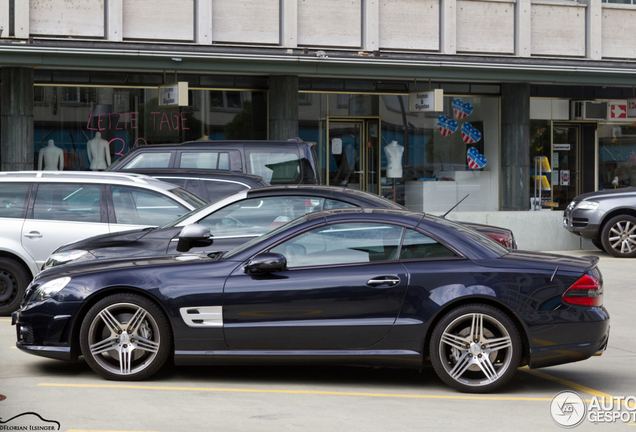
(586, 291)
(503, 239)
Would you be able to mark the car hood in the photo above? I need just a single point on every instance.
(607, 194)
(106, 265)
(542, 261)
(124, 238)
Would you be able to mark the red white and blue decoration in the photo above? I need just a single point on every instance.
(462, 109)
(475, 159)
(470, 134)
(446, 126)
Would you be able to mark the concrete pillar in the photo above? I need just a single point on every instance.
(16, 115)
(515, 146)
(283, 107)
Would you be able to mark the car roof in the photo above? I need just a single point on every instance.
(85, 177)
(218, 143)
(358, 197)
(200, 173)
(405, 216)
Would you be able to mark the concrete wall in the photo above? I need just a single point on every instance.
(536, 231)
(523, 28)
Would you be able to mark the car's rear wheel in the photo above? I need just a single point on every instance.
(125, 337)
(619, 236)
(14, 279)
(475, 348)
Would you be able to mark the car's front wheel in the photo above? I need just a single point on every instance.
(619, 236)
(125, 337)
(475, 348)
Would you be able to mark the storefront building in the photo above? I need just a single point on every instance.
(535, 93)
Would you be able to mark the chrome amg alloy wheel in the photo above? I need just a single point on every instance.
(475, 348)
(125, 337)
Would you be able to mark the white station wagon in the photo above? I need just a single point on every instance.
(43, 210)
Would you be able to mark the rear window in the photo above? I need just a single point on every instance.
(149, 160)
(275, 167)
(13, 198)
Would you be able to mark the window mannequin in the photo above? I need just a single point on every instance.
(393, 153)
(52, 157)
(98, 152)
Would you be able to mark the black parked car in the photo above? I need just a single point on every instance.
(232, 221)
(349, 286)
(607, 218)
(208, 184)
(277, 162)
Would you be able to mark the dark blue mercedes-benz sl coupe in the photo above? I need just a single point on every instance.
(348, 286)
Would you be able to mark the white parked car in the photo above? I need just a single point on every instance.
(43, 210)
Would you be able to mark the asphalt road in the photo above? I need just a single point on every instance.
(250, 398)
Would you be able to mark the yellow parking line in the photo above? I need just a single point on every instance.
(572, 384)
(5, 319)
(309, 392)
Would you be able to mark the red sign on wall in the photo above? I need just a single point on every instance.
(618, 111)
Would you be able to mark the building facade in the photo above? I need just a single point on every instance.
(535, 106)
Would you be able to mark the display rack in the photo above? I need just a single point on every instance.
(542, 187)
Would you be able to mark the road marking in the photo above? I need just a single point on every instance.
(5, 319)
(309, 392)
(573, 385)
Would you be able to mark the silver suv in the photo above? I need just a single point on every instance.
(607, 218)
(41, 211)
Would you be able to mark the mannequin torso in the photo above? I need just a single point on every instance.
(98, 153)
(51, 158)
(393, 153)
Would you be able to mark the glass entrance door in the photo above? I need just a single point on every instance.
(353, 157)
(566, 163)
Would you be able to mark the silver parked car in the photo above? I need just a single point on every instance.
(607, 218)
(43, 210)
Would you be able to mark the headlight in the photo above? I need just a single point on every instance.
(49, 289)
(588, 205)
(64, 257)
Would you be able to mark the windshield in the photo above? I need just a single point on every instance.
(264, 237)
(189, 197)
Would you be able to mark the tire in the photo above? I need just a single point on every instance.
(619, 236)
(598, 244)
(14, 279)
(127, 326)
(472, 360)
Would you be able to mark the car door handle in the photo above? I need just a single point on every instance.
(384, 280)
(33, 234)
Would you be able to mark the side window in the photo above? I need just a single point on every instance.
(13, 198)
(346, 243)
(275, 168)
(419, 246)
(205, 160)
(149, 160)
(258, 216)
(334, 204)
(67, 202)
(144, 207)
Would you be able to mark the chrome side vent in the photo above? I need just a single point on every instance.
(205, 316)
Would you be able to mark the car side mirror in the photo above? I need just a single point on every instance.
(266, 262)
(194, 235)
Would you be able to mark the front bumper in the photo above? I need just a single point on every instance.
(42, 333)
(583, 223)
